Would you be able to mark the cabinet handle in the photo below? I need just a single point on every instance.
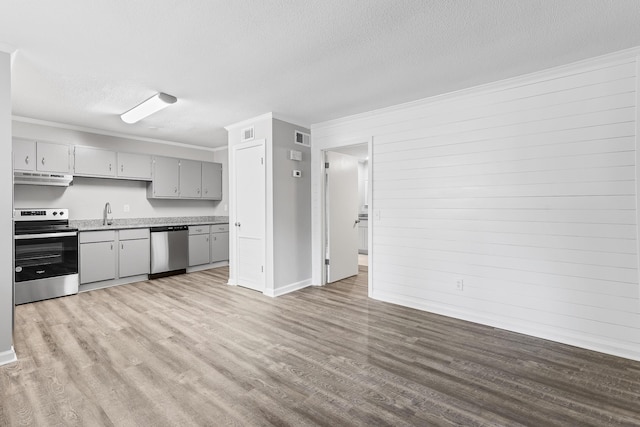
(206, 191)
(175, 189)
(109, 167)
(26, 160)
(112, 246)
(121, 245)
(207, 239)
(43, 160)
(121, 168)
(198, 191)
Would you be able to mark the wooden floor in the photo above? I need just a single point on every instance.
(190, 350)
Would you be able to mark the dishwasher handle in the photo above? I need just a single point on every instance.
(168, 228)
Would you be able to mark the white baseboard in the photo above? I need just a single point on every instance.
(8, 356)
(288, 288)
(598, 344)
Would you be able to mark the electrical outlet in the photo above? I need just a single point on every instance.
(460, 284)
(127, 208)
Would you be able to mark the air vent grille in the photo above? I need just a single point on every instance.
(303, 139)
(247, 134)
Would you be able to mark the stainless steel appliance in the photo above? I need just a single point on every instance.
(46, 255)
(169, 250)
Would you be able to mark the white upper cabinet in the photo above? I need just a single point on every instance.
(52, 157)
(24, 155)
(134, 166)
(91, 161)
(190, 179)
(40, 156)
(211, 181)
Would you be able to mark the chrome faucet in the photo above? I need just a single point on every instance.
(107, 211)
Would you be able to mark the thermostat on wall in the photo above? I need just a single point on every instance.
(296, 174)
(295, 155)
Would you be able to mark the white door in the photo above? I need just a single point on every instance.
(341, 192)
(250, 214)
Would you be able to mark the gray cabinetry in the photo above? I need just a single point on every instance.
(134, 166)
(91, 161)
(190, 179)
(24, 155)
(111, 254)
(211, 181)
(199, 247)
(166, 176)
(133, 253)
(219, 242)
(185, 179)
(97, 256)
(40, 156)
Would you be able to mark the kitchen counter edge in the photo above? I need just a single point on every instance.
(96, 225)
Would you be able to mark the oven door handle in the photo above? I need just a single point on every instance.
(45, 235)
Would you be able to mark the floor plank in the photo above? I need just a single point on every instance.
(192, 351)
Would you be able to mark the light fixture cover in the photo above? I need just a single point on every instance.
(156, 103)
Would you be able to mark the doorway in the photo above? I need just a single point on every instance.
(346, 200)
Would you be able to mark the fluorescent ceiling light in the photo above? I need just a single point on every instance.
(156, 103)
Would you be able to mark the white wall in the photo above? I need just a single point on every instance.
(525, 189)
(86, 198)
(6, 226)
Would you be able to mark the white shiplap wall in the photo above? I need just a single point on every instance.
(525, 190)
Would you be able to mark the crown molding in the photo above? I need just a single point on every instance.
(113, 134)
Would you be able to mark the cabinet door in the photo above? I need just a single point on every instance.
(94, 162)
(198, 249)
(219, 247)
(134, 257)
(134, 166)
(97, 262)
(166, 172)
(52, 157)
(211, 181)
(190, 179)
(24, 155)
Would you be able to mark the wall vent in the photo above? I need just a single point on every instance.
(247, 134)
(303, 139)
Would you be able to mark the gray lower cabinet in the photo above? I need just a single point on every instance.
(219, 242)
(134, 252)
(97, 256)
(199, 248)
(112, 254)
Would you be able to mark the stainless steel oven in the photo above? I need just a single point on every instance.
(46, 255)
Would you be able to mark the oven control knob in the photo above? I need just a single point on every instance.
(18, 269)
(55, 213)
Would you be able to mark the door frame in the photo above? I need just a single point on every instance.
(323, 206)
(233, 259)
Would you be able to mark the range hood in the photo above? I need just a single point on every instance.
(39, 178)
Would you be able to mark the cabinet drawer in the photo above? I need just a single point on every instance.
(219, 227)
(198, 229)
(134, 233)
(97, 236)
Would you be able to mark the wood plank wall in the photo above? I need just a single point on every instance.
(526, 191)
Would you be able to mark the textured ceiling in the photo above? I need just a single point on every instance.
(85, 62)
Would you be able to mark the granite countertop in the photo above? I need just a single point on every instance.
(124, 223)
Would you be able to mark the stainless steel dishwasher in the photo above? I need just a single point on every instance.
(169, 250)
